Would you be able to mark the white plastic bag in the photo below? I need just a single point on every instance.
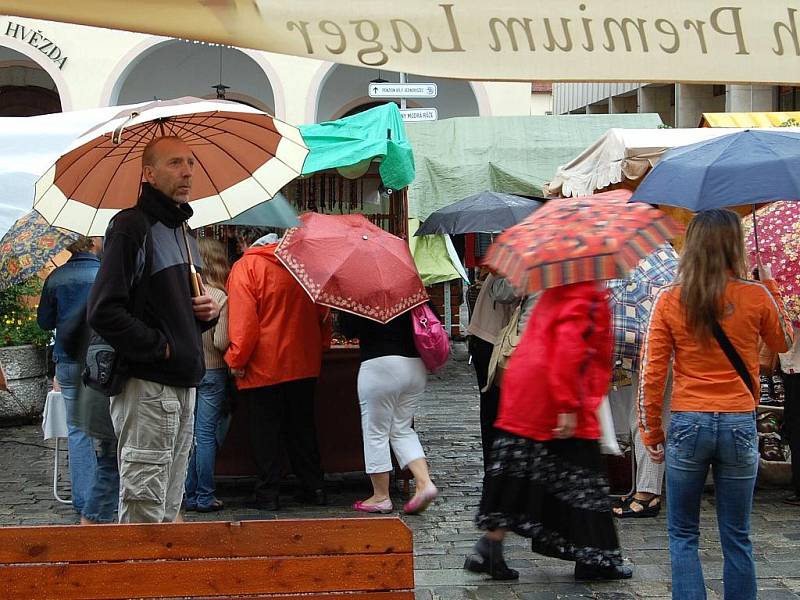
(608, 437)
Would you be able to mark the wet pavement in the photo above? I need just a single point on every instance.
(448, 425)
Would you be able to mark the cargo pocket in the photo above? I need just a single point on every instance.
(161, 418)
(144, 474)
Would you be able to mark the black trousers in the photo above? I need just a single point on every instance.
(791, 422)
(282, 416)
(481, 352)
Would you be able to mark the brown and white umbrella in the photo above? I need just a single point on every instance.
(243, 157)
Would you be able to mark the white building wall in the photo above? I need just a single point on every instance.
(98, 62)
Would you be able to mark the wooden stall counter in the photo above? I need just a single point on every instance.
(338, 420)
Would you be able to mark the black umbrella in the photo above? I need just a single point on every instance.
(487, 212)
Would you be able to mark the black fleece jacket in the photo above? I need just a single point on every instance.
(168, 315)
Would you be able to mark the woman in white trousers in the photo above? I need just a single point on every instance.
(391, 380)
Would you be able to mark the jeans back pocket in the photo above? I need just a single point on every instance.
(682, 440)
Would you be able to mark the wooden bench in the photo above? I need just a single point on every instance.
(324, 559)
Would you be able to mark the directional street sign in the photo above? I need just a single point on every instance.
(411, 115)
(402, 90)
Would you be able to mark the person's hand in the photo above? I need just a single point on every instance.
(56, 385)
(764, 270)
(656, 453)
(565, 426)
(238, 373)
(204, 306)
(166, 352)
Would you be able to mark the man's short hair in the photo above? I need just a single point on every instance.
(151, 149)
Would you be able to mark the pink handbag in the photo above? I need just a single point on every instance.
(430, 338)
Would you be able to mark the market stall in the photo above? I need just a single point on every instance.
(459, 157)
(356, 165)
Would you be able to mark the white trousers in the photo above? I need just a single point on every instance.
(388, 390)
(649, 475)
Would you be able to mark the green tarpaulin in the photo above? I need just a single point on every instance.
(456, 158)
(351, 143)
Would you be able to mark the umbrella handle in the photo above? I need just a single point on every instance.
(755, 231)
(193, 275)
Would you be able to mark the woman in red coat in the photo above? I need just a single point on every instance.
(545, 479)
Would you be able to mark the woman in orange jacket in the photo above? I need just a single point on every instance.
(709, 324)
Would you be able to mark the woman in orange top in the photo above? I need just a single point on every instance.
(713, 401)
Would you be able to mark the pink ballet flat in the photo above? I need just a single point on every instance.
(381, 507)
(421, 501)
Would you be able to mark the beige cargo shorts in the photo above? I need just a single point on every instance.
(155, 426)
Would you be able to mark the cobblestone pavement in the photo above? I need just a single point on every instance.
(448, 424)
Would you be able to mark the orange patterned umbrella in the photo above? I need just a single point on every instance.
(587, 238)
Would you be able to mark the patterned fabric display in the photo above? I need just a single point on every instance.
(632, 301)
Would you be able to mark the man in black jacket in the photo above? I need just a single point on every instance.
(162, 349)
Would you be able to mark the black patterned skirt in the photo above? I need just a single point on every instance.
(554, 493)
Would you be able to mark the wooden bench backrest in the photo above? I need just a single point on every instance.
(356, 559)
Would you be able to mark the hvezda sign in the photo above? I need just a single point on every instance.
(35, 38)
(523, 40)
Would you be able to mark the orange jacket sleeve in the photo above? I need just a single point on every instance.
(243, 322)
(654, 370)
(776, 330)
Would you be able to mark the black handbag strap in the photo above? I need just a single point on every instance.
(733, 356)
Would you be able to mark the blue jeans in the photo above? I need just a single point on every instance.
(729, 442)
(104, 494)
(200, 477)
(82, 459)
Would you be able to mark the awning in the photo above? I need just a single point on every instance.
(350, 144)
(460, 157)
(749, 120)
(517, 40)
(623, 155)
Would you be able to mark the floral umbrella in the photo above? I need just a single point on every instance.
(346, 262)
(31, 246)
(587, 238)
(632, 301)
(779, 244)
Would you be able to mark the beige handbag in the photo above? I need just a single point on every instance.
(508, 341)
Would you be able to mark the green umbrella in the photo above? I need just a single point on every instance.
(272, 213)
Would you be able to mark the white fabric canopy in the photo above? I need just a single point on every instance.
(622, 154)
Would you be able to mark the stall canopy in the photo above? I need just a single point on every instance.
(350, 144)
(749, 119)
(460, 157)
(623, 155)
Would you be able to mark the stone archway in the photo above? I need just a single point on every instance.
(175, 68)
(26, 88)
(339, 89)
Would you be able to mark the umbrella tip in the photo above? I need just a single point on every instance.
(364, 237)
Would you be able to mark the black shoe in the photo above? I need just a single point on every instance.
(265, 504)
(488, 558)
(215, 506)
(591, 573)
(316, 497)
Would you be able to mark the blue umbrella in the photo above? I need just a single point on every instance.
(747, 167)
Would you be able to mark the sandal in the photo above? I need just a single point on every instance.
(649, 508)
(622, 502)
